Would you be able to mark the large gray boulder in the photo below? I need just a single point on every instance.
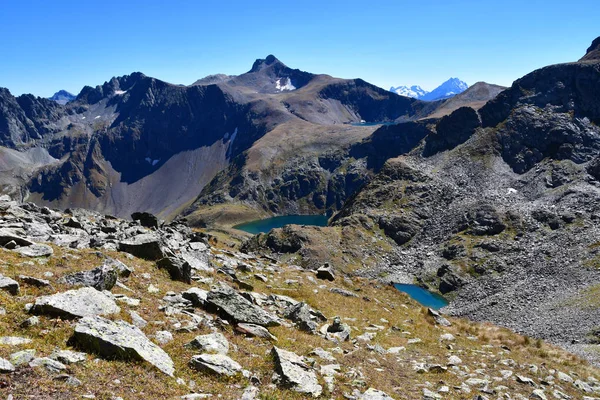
(179, 269)
(103, 277)
(146, 219)
(35, 250)
(216, 363)
(9, 285)
(147, 246)
(11, 235)
(120, 340)
(84, 302)
(300, 314)
(294, 373)
(225, 300)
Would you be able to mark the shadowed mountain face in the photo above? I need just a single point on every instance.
(115, 144)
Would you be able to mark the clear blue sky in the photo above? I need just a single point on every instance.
(51, 45)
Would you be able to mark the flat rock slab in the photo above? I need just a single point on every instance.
(11, 235)
(84, 302)
(226, 300)
(211, 343)
(35, 250)
(255, 330)
(13, 341)
(6, 366)
(68, 356)
(120, 340)
(147, 246)
(216, 363)
(9, 285)
(295, 373)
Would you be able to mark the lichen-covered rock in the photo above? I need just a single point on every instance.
(121, 340)
(216, 363)
(100, 278)
(295, 373)
(211, 343)
(77, 303)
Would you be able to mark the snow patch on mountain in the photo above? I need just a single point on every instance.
(450, 88)
(287, 85)
(414, 91)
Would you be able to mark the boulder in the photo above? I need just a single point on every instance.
(145, 219)
(100, 278)
(300, 314)
(120, 268)
(120, 340)
(6, 366)
(35, 250)
(179, 269)
(337, 330)
(438, 318)
(10, 235)
(374, 394)
(68, 356)
(48, 363)
(255, 330)
(216, 363)
(84, 302)
(295, 373)
(13, 340)
(326, 272)
(9, 285)
(196, 295)
(226, 301)
(22, 357)
(147, 246)
(212, 343)
(32, 281)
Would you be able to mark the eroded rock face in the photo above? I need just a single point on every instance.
(234, 306)
(295, 373)
(120, 340)
(84, 302)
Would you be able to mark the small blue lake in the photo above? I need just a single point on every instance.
(265, 225)
(422, 296)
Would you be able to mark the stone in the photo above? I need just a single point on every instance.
(72, 381)
(374, 394)
(229, 303)
(343, 292)
(120, 268)
(454, 360)
(77, 303)
(13, 341)
(538, 394)
(120, 340)
(326, 272)
(100, 278)
(255, 330)
(250, 393)
(22, 357)
(338, 330)
(179, 269)
(48, 363)
(211, 343)
(163, 337)
(525, 380)
(300, 314)
(35, 250)
(31, 321)
(6, 366)
(196, 295)
(429, 395)
(11, 235)
(37, 282)
(147, 246)
(11, 245)
(295, 373)
(146, 219)
(9, 285)
(137, 320)
(73, 222)
(215, 363)
(438, 318)
(68, 356)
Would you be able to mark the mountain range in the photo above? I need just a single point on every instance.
(450, 88)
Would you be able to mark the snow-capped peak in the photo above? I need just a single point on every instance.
(414, 91)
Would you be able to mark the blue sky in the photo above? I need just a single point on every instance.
(52, 45)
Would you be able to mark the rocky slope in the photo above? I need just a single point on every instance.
(97, 307)
(495, 208)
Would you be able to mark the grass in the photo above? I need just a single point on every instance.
(361, 368)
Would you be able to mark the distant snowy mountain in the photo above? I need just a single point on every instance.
(413, 91)
(62, 97)
(450, 88)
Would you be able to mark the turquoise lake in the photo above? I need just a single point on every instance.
(265, 225)
(422, 296)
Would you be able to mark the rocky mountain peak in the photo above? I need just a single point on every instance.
(593, 52)
(261, 64)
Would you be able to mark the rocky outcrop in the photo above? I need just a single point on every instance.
(120, 340)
